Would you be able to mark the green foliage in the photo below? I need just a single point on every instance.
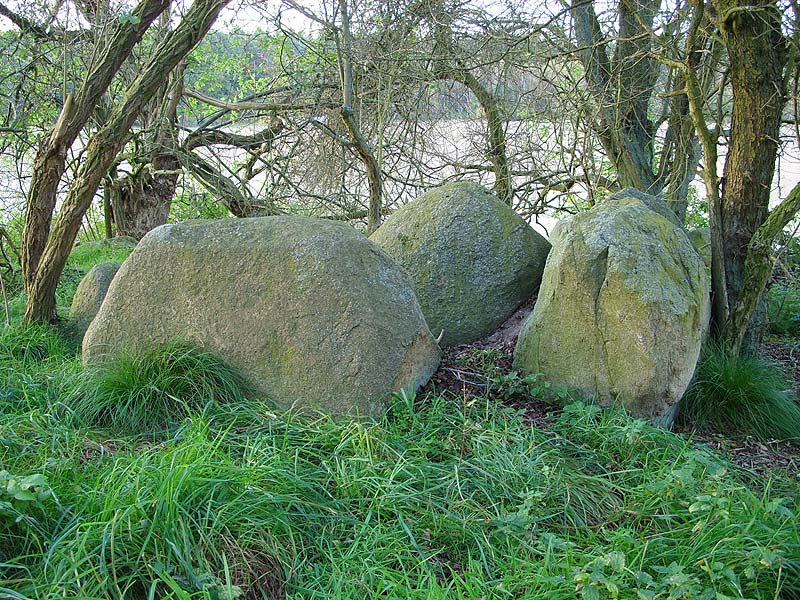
(23, 501)
(89, 254)
(515, 385)
(197, 206)
(445, 497)
(746, 394)
(696, 211)
(154, 390)
(511, 385)
(784, 308)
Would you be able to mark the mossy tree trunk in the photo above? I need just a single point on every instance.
(757, 51)
(50, 161)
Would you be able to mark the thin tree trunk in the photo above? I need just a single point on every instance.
(102, 150)
(622, 87)
(108, 211)
(720, 308)
(348, 113)
(50, 161)
(497, 152)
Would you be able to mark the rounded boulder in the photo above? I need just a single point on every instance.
(89, 297)
(472, 259)
(623, 307)
(310, 311)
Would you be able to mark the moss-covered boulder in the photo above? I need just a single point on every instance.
(89, 297)
(310, 311)
(701, 238)
(472, 259)
(622, 310)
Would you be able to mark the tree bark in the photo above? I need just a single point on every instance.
(50, 161)
(756, 273)
(102, 150)
(751, 30)
(142, 202)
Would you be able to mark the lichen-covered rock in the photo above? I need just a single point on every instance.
(622, 310)
(309, 311)
(89, 297)
(473, 260)
(701, 238)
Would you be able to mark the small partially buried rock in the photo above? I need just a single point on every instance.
(472, 259)
(89, 297)
(623, 307)
(309, 311)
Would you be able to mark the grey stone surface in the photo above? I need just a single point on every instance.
(89, 297)
(622, 310)
(472, 259)
(310, 311)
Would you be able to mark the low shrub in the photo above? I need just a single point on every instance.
(744, 394)
(784, 309)
(149, 392)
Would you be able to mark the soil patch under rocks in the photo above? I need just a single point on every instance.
(467, 371)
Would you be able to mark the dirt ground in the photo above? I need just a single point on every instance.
(464, 375)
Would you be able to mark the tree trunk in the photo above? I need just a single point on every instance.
(622, 87)
(102, 150)
(143, 199)
(142, 202)
(496, 151)
(685, 155)
(757, 51)
(362, 146)
(49, 164)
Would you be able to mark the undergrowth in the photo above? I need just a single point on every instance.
(445, 497)
(742, 394)
(783, 308)
(149, 391)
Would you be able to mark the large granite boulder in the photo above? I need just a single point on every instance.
(623, 307)
(309, 311)
(472, 259)
(89, 297)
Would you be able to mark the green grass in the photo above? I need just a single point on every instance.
(88, 254)
(743, 394)
(154, 390)
(437, 500)
(443, 498)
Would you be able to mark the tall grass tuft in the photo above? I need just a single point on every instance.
(32, 344)
(152, 391)
(745, 394)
